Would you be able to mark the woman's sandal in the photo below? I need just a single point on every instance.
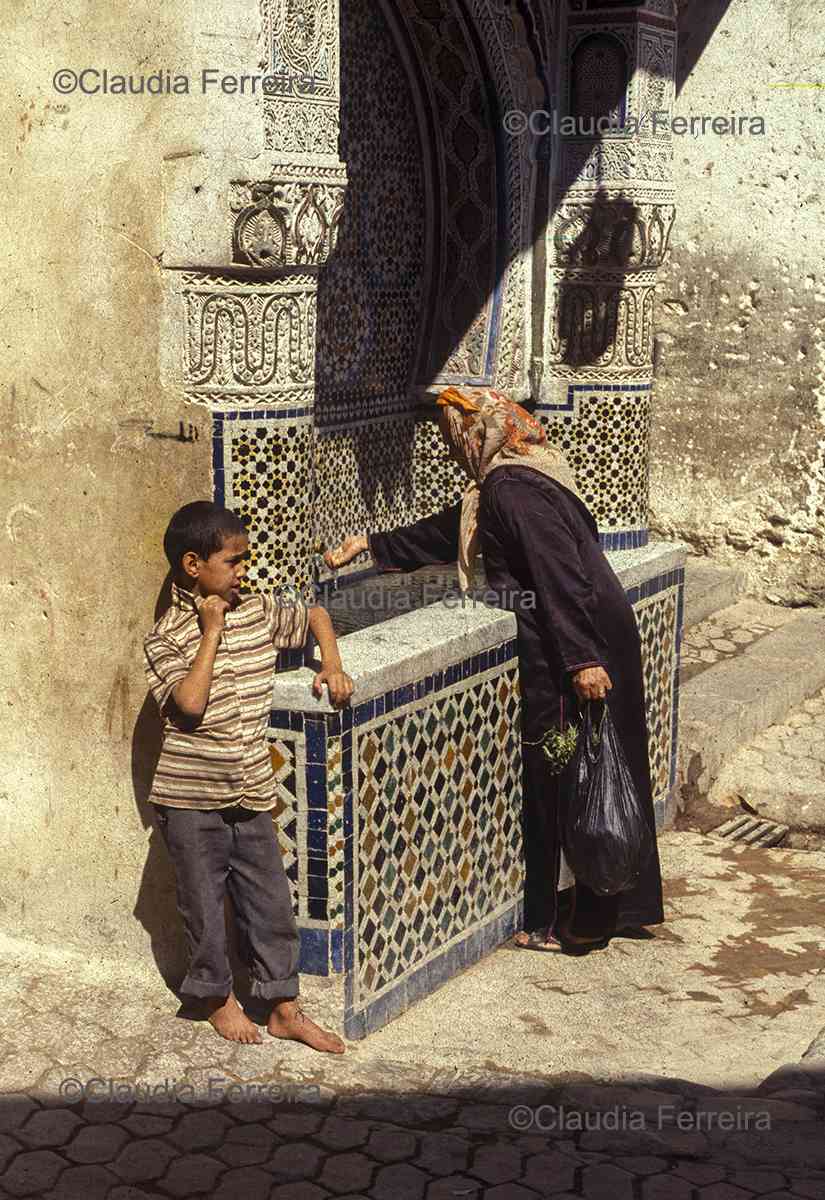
(579, 949)
(539, 939)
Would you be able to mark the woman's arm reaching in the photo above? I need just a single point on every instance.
(433, 541)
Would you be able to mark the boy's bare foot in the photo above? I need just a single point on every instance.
(230, 1020)
(288, 1021)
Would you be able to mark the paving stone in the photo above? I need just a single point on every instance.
(250, 1182)
(143, 1161)
(391, 1145)
(126, 1192)
(509, 1191)
(401, 1181)
(8, 1148)
(417, 1111)
(342, 1133)
(485, 1118)
(143, 1125)
(758, 1181)
(103, 1112)
(452, 1186)
(192, 1173)
(723, 1191)
(347, 1173)
(811, 1189)
(298, 1191)
(674, 1143)
(444, 1153)
(643, 1164)
(14, 1113)
(245, 1145)
(549, 1172)
(297, 1160)
(793, 1142)
(288, 1125)
(49, 1127)
(666, 1187)
(606, 1182)
(497, 1164)
(33, 1171)
(251, 1111)
(200, 1130)
(91, 1182)
(783, 1195)
(96, 1144)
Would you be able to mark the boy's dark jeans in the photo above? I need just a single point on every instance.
(235, 850)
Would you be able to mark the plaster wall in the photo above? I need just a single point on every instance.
(738, 439)
(95, 454)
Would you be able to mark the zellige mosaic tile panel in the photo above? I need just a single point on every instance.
(438, 832)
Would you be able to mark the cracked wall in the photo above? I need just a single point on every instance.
(738, 440)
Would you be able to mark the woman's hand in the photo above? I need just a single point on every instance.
(593, 683)
(350, 547)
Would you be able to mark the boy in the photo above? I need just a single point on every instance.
(210, 661)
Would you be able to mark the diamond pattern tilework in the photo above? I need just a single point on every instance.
(439, 833)
(268, 473)
(364, 481)
(657, 627)
(606, 446)
(289, 814)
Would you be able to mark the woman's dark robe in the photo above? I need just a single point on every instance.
(536, 537)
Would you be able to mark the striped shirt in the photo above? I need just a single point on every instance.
(224, 758)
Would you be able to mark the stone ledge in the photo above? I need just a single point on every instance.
(727, 705)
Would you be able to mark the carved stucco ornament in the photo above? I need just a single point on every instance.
(287, 224)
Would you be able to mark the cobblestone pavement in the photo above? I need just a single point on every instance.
(453, 1140)
(727, 633)
(440, 1104)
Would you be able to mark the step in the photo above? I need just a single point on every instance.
(779, 776)
(738, 697)
(709, 587)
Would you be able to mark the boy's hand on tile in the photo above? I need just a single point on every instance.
(339, 686)
(212, 613)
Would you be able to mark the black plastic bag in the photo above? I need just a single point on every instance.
(607, 839)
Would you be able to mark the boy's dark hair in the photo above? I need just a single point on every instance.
(200, 526)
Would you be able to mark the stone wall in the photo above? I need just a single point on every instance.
(96, 457)
(739, 421)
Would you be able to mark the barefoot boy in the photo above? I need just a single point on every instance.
(210, 661)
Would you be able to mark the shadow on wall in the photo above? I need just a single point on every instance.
(697, 21)
(156, 903)
(155, 906)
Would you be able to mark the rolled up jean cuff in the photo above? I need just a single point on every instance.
(205, 987)
(274, 989)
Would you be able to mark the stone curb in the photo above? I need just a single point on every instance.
(726, 706)
(709, 588)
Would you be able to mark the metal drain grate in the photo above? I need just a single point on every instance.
(752, 831)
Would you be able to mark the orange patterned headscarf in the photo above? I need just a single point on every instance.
(486, 430)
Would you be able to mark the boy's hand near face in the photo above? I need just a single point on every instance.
(339, 684)
(212, 613)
